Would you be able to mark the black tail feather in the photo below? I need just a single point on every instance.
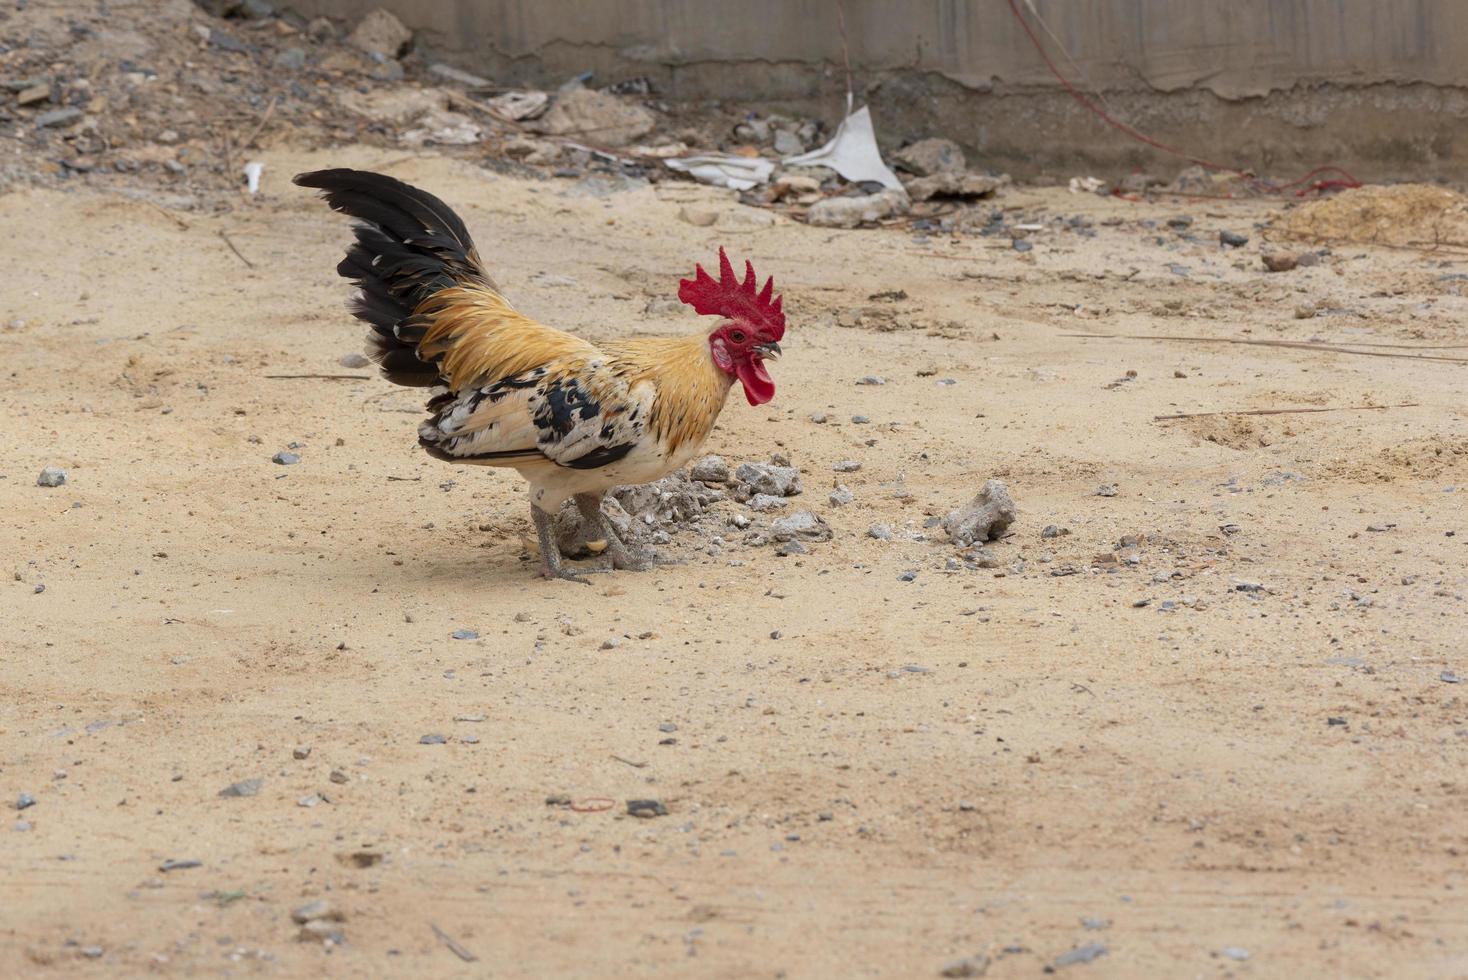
(409, 245)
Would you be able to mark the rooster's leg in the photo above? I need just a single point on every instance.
(598, 526)
(550, 552)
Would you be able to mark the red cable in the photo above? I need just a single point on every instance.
(1345, 179)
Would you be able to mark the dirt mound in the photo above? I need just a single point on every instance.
(1404, 214)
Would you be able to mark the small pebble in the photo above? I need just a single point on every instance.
(301, 752)
(841, 496)
(611, 643)
(286, 459)
(353, 360)
(907, 576)
(646, 809)
(51, 476)
(1081, 954)
(25, 801)
(1232, 239)
(245, 787)
(464, 635)
(432, 740)
(1235, 952)
(847, 466)
(880, 531)
(667, 727)
(1448, 677)
(871, 379)
(1106, 490)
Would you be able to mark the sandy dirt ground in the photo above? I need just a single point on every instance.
(1234, 746)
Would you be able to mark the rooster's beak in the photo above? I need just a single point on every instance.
(770, 351)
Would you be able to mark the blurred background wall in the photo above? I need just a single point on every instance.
(1277, 85)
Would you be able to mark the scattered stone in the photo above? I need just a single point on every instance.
(310, 800)
(983, 558)
(1232, 239)
(1305, 311)
(1022, 245)
(860, 420)
(596, 117)
(34, 94)
(1280, 261)
(284, 458)
(339, 777)
(58, 117)
(698, 217)
(908, 576)
(1081, 954)
(871, 379)
(25, 801)
(787, 548)
(765, 501)
(970, 966)
(847, 466)
(432, 739)
(290, 59)
(51, 476)
(179, 865)
(245, 787)
(767, 478)
(320, 930)
(1053, 531)
(353, 360)
(931, 156)
(881, 532)
(464, 635)
(611, 643)
(381, 33)
(395, 106)
(801, 525)
(841, 496)
(301, 752)
(985, 517)
(311, 911)
(1448, 677)
(963, 186)
(849, 212)
(1235, 953)
(646, 809)
(1107, 490)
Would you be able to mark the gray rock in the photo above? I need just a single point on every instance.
(985, 517)
(1107, 490)
(970, 966)
(1235, 953)
(58, 117)
(432, 739)
(381, 33)
(849, 212)
(51, 476)
(881, 532)
(245, 787)
(931, 156)
(1232, 239)
(710, 469)
(25, 801)
(647, 809)
(847, 466)
(285, 459)
(311, 911)
(787, 144)
(672, 500)
(984, 558)
(462, 634)
(353, 360)
(777, 481)
(841, 496)
(765, 501)
(291, 59)
(801, 525)
(908, 576)
(1081, 954)
(179, 864)
(871, 379)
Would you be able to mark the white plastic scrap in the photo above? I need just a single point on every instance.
(724, 170)
(852, 153)
(253, 169)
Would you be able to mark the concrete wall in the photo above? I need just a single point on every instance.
(1279, 85)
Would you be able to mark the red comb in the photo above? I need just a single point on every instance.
(734, 299)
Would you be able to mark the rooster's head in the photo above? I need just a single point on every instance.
(750, 324)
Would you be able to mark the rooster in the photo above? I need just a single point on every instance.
(574, 418)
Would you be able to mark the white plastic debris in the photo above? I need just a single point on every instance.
(253, 170)
(852, 153)
(1088, 184)
(724, 170)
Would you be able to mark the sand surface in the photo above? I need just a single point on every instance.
(1237, 734)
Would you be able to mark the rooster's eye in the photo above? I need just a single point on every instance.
(737, 336)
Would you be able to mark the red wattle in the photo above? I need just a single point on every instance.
(759, 387)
